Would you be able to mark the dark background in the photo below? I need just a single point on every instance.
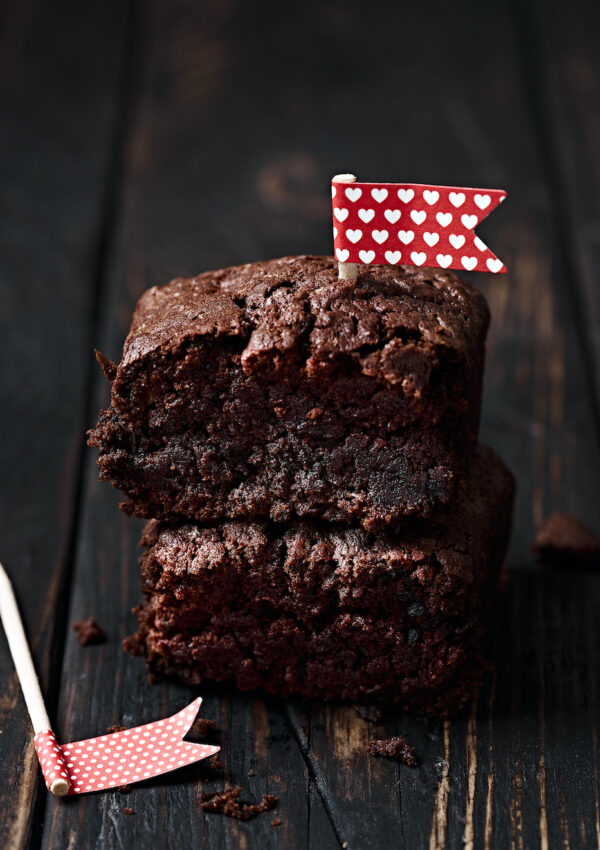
(141, 141)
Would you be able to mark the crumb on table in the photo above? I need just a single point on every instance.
(128, 810)
(394, 748)
(203, 725)
(564, 540)
(88, 632)
(116, 727)
(227, 803)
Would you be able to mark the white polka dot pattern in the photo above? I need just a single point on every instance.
(122, 758)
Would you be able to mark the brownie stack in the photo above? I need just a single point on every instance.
(322, 520)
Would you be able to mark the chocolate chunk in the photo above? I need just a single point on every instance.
(116, 727)
(128, 810)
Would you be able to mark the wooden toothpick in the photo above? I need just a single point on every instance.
(346, 271)
(17, 642)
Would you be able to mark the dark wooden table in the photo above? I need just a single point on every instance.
(145, 140)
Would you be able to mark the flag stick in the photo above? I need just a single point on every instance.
(17, 642)
(346, 271)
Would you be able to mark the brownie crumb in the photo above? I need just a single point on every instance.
(394, 748)
(276, 822)
(226, 803)
(116, 727)
(370, 713)
(251, 772)
(128, 810)
(202, 726)
(106, 364)
(124, 789)
(215, 762)
(89, 632)
(565, 540)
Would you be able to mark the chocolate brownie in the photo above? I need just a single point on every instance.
(330, 611)
(275, 390)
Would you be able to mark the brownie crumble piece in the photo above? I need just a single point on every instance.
(88, 632)
(227, 803)
(276, 390)
(128, 810)
(564, 540)
(116, 727)
(394, 748)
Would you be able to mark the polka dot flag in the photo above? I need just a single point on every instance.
(122, 758)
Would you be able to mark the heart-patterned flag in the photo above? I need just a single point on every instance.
(413, 224)
(121, 758)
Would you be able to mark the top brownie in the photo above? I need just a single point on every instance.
(275, 389)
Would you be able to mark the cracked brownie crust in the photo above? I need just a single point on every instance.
(330, 611)
(275, 390)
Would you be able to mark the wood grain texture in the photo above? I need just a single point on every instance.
(233, 117)
(58, 83)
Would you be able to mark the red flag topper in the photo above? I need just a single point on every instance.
(121, 758)
(413, 224)
(107, 761)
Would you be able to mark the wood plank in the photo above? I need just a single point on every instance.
(561, 46)
(242, 116)
(165, 228)
(59, 69)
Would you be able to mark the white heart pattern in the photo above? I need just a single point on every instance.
(341, 215)
(482, 201)
(406, 236)
(469, 263)
(366, 215)
(494, 265)
(469, 221)
(353, 194)
(342, 254)
(444, 260)
(406, 195)
(380, 236)
(333, 191)
(431, 196)
(392, 216)
(480, 243)
(431, 238)
(418, 216)
(334, 232)
(444, 219)
(354, 235)
(366, 256)
(457, 199)
(393, 257)
(457, 240)
(418, 257)
(379, 195)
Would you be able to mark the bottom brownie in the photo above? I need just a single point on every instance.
(333, 612)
